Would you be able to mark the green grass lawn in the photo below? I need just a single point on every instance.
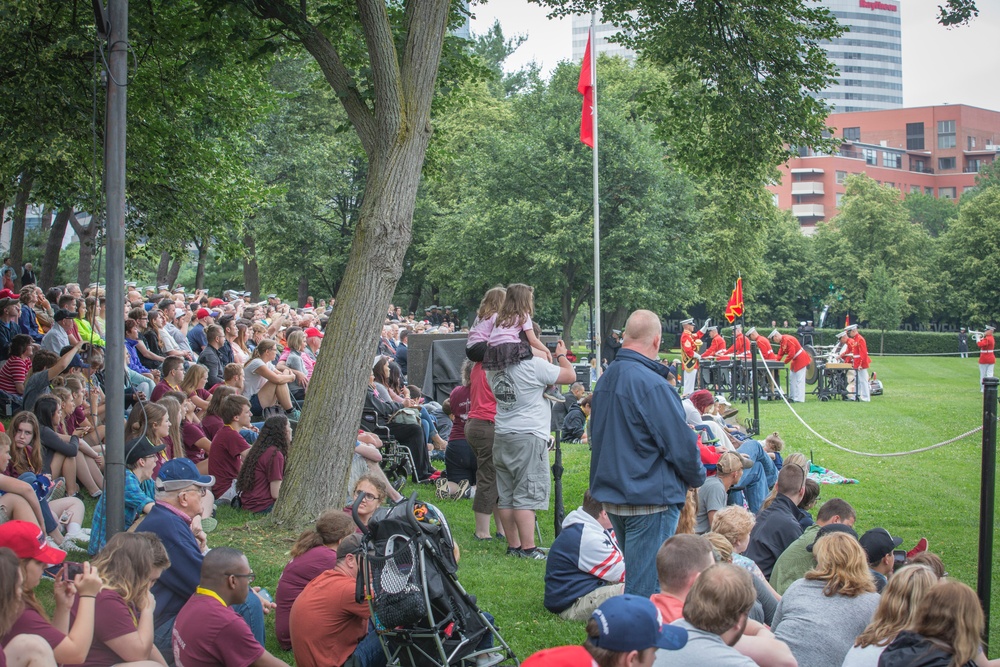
(933, 494)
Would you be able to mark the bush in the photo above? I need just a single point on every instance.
(896, 342)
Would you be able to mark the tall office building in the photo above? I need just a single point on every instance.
(868, 56)
(581, 26)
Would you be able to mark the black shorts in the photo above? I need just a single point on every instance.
(460, 462)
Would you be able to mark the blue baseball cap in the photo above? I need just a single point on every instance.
(633, 623)
(178, 474)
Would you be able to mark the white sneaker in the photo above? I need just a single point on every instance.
(487, 659)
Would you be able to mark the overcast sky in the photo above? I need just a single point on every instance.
(956, 66)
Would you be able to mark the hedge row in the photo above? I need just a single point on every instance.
(896, 342)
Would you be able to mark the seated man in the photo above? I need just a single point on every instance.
(327, 625)
(879, 545)
(778, 525)
(714, 494)
(229, 448)
(797, 559)
(174, 518)
(575, 424)
(715, 617)
(585, 566)
(208, 631)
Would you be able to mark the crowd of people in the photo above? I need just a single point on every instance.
(694, 542)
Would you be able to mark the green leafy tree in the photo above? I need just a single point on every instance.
(971, 255)
(883, 304)
(789, 289)
(931, 213)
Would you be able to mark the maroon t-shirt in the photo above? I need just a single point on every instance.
(270, 468)
(295, 577)
(461, 403)
(30, 622)
(211, 424)
(209, 634)
(160, 389)
(192, 433)
(114, 618)
(224, 458)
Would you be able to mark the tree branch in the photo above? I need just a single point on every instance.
(426, 26)
(385, 66)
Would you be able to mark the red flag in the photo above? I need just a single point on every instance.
(734, 308)
(847, 320)
(585, 86)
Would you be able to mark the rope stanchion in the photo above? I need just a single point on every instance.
(853, 451)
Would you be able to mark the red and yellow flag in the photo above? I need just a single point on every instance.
(734, 308)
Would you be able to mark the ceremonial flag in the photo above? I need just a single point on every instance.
(847, 320)
(734, 308)
(585, 86)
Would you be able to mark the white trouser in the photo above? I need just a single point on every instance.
(689, 378)
(864, 386)
(985, 371)
(797, 386)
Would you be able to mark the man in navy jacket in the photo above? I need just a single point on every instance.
(645, 456)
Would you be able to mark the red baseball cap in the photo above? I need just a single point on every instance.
(28, 541)
(202, 312)
(561, 656)
(215, 303)
(313, 332)
(8, 294)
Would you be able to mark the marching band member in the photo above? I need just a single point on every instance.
(861, 363)
(716, 346)
(763, 344)
(846, 348)
(987, 358)
(690, 342)
(741, 344)
(790, 351)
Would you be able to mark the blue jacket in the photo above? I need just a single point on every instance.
(28, 323)
(644, 452)
(178, 582)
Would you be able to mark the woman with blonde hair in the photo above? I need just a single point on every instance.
(896, 611)
(821, 615)
(265, 386)
(193, 385)
(128, 565)
(734, 523)
(946, 632)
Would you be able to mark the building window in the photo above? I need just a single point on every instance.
(973, 165)
(967, 188)
(928, 190)
(918, 166)
(890, 160)
(890, 184)
(914, 136)
(972, 142)
(915, 189)
(946, 193)
(946, 163)
(774, 197)
(841, 177)
(871, 156)
(852, 134)
(946, 134)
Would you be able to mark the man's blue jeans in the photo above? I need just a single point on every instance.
(757, 481)
(251, 611)
(369, 652)
(640, 538)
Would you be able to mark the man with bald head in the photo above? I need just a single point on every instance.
(645, 456)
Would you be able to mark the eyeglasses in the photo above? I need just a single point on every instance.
(249, 577)
(201, 490)
(369, 496)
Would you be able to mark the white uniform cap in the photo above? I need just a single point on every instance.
(689, 320)
(774, 333)
(853, 327)
(751, 330)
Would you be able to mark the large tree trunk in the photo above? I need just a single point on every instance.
(47, 219)
(17, 221)
(87, 236)
(53, 248)
(251, 274)
(395, 140)
(411, 307)
(199, 276)
(162, 268)
(303, 292)
(175, 269)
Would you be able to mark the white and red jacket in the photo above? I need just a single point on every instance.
(790, 351)
(583, 558)
(987, 349)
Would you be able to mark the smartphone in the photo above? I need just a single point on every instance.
(899, 556)
(552, 347)
(72, 570)
(264, 595)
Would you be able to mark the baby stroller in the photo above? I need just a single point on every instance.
(423, 616)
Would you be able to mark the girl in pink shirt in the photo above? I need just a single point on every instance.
(486, 317)
(513, 338)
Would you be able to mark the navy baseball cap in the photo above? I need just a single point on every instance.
(178, 474)
(633, 623)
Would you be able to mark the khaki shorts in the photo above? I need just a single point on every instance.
(522, 463)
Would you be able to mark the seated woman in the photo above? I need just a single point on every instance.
(374, 492)
(211, 422)
(734, 523)
(196, 442)
(66, 455)
(85, 316)
(149, 349)
(293, 362)
(460, 460)
(23, 650)
(15, 370)
(128, 566)
(390, 387)
(410, 435)
(259, 481)
(80, 416)
(140, 358)
(141, 457)
(193, 386)
(314, 552)
(265, 386)
(70, 642)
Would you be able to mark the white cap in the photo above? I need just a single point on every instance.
(689, 320)
(852, 327)
(989, 327)
(842, 333)
(751, 330)
(774, 333)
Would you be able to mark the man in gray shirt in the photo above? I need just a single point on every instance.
(58, 336)
(715, 617)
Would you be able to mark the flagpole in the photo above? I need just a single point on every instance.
(597, 204)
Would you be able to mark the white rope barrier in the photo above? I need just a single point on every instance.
(777, 387)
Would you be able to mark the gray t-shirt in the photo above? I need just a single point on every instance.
(712, 497)
(35, 386)
(821, 629)
(521, 408)
(252, 381)
(702, 648)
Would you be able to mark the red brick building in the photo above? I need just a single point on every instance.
(935, 150)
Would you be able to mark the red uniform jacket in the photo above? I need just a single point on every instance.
(688, 350)
(740, 346)
(716, 348)
(850, 347)
(861, 358)
(987, 349)
(764, 345)
(790, 351)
